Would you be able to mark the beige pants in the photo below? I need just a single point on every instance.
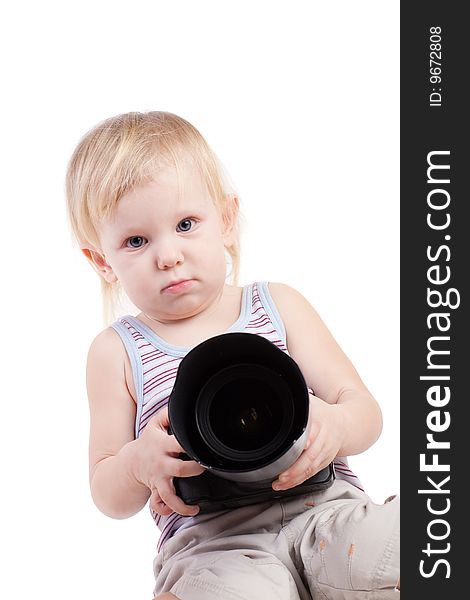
(335, 544)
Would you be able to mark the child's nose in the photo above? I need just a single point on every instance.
(169, 255)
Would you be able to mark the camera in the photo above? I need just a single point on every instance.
(240, 408)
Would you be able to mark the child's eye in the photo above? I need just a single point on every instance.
(136, 241)
(185, 225)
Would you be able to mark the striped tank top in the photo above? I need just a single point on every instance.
(155, 364)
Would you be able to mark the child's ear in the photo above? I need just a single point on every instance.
(99, 263)
(230, 218)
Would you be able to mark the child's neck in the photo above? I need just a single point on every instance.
(193, 330)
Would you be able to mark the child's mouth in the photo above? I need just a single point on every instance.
(178, 286)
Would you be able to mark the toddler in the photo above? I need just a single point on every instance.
(153, 213)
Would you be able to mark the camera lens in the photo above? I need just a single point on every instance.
(244, 413)
(242, 418)
(239, 407)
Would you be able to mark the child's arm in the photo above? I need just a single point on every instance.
(124, 472)
(345, 419)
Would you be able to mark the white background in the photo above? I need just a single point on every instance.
(300, 101)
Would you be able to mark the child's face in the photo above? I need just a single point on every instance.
(165, 244)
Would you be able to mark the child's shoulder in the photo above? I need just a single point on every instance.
(285, 295)
(105, 349)
(295, 310)
(108, 371)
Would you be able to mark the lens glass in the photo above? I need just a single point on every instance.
(246, 414)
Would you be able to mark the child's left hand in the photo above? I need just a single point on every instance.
(325, 438)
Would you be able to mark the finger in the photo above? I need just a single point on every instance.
(157, 504)
(305, 467)
(168, 495)
(312, 448)
(287, 476)
(187, 468)
(163, 510)
(161, 419)
(173, 446)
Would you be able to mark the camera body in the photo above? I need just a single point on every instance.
(240, 408)
(212, 493)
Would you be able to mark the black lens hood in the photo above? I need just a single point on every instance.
(204, 381)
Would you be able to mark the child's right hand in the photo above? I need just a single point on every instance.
(157, 462)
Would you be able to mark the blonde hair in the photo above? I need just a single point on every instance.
(126, 151)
